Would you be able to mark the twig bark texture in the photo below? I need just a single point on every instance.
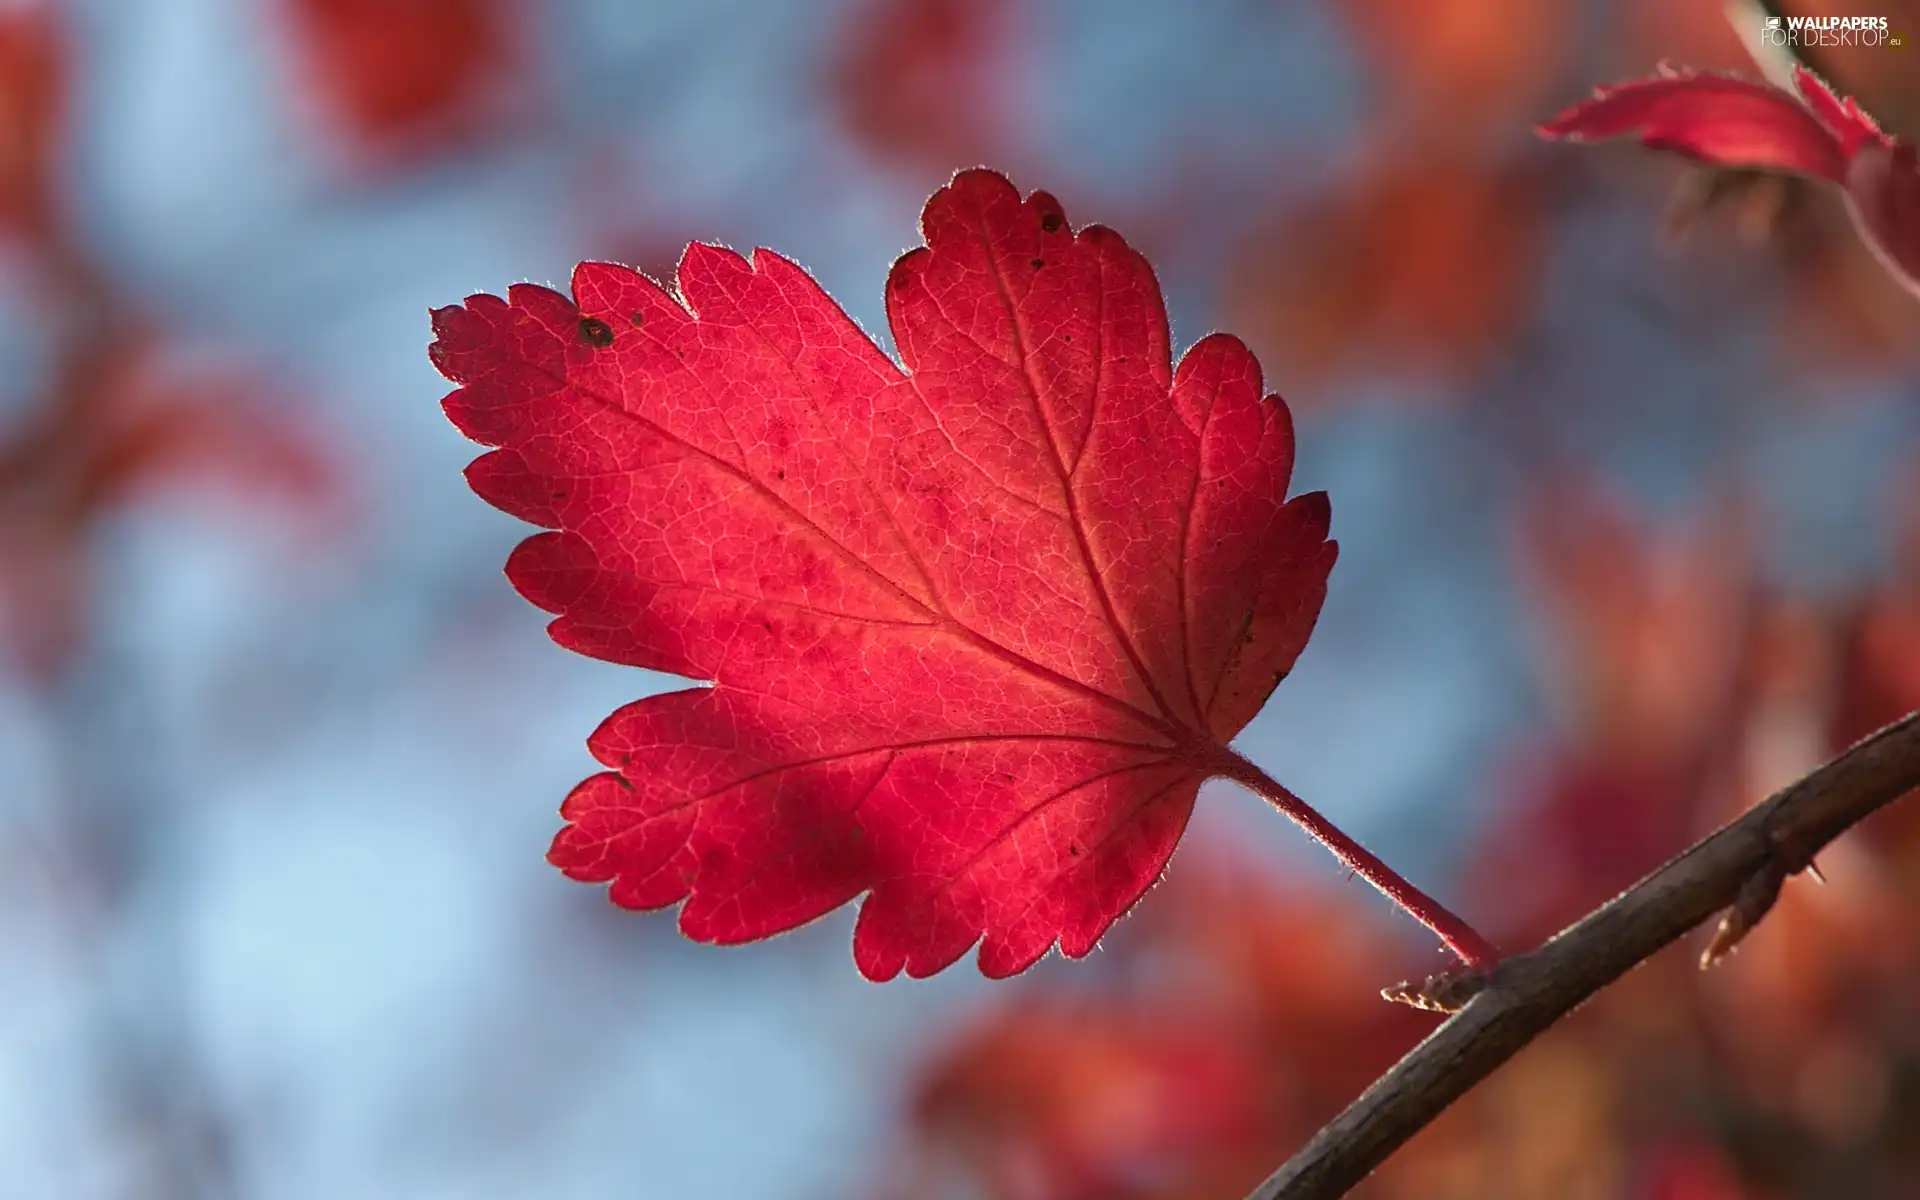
(1739, 866)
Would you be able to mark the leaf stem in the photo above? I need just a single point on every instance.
(1466, 942)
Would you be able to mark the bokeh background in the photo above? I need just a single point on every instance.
(1623, 464)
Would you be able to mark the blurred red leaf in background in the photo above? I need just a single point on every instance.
(399, 77)
(121, 424)
(1641, 644)
(1046, 1098)
(1456, 71)
(1412, 264)
(1881, 668)
(1644, 631)
(1421, 258)
(923, 80)
(1240, 1018)
(33, 101)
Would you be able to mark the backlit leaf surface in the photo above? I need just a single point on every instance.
(978, 623)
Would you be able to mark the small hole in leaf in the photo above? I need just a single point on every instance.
(595, 332)
(1051, 222)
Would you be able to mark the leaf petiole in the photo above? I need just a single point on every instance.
(1466, 942)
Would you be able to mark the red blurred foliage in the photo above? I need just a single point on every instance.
(119, 426)
(1457, 71)
(1645, 633)
(1048, 1098)
(119, 419)
(1422, 259)
(1693, 1170)
(33, 102)
(401, 77)
(1785, 1058)
(1584, 827)
(1638, 617)
(1881, 658)
(922, 80)
(1878, 663)
(1234, 1029)
(1419, 264)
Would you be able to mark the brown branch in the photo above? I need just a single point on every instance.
(1740, 867)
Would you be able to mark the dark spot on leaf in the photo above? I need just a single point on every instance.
(595, 332)
(637, 317)
(1069, 337)
(622, 781)
(1073, 850)
(1051, 221)
(779, 474)
(1038, 263)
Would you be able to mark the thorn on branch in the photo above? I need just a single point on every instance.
(1446, 992)
(1753, 901)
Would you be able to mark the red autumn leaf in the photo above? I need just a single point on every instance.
(1719, 119)
(977, 627)
(1726, 121)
